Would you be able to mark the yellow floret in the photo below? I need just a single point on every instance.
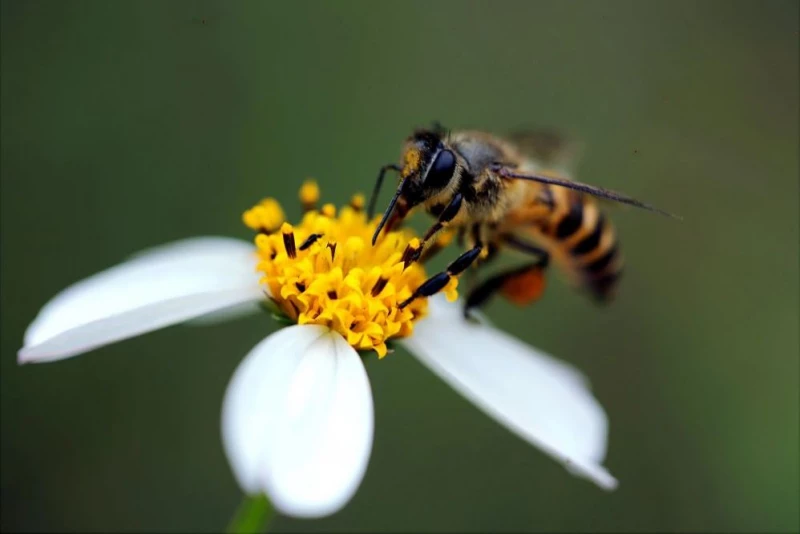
(266, 216)
(357, 202)
(326, 271)
(328, 210)
(309, 193)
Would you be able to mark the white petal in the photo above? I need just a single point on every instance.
(156, 288)
(227, 314)
(297, 421)
(543, 400)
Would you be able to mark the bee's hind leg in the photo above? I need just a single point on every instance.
(520, 285)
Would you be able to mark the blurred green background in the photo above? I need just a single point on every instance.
(129, 124)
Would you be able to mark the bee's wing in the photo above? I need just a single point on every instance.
(548, 148)
(593, 190)
(556, 156)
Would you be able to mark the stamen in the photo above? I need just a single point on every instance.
(379, 285)
(288, 240)
(411, 252)
(310, 240)
(332, 246)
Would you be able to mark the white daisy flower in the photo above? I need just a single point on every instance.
(297, 418)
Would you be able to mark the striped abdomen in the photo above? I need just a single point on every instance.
(585, 241)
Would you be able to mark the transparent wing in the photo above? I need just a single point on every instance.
(548, 148)
(599, 192)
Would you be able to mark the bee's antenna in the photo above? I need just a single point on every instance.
(388, 212)
(377, 189)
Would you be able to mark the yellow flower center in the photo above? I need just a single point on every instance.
(325, 270)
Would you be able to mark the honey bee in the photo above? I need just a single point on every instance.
(495, 193)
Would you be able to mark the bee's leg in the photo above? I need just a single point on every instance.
(437, 282)
(470, 277)
(523, 246)
(443, 239)
(482, 233)
(521, 285)
(377, 189)
(447, 215)
(460, 236)
(430, 252)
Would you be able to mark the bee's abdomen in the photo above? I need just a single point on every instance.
(587, 242)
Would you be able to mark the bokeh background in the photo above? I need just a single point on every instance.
(130, 124)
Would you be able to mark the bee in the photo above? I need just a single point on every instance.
(496, 193)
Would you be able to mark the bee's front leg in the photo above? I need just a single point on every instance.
(448, 214)
(377, 188)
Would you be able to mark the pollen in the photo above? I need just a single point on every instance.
(411, 160)
(326, 271)
(445, 237)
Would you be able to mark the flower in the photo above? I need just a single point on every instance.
(297, 417)
(326, 272)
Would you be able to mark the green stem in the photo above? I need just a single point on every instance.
(252, 516)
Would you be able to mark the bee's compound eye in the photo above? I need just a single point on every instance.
(441, 170)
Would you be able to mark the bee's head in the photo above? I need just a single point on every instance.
(429, 167)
